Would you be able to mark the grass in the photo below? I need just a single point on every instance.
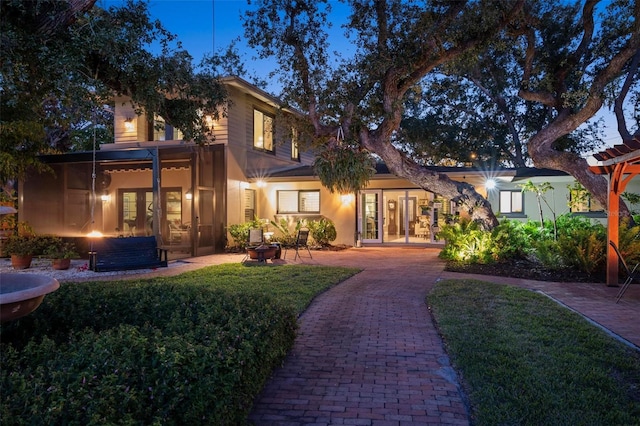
(525, 360)
(295, 285)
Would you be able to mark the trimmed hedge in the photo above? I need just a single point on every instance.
(141, 352)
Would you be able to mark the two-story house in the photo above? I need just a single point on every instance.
(150, 181)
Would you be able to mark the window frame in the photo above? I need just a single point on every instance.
(265, 116)
(511, 202)
(300, 194)
(295, 148)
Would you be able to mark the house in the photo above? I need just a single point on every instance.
(151, 182)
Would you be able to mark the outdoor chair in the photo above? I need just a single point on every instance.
(255, 238)
(301, 242)
(632, 274)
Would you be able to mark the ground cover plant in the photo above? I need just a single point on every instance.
(570, 248)
(191, 349)
(525, 360)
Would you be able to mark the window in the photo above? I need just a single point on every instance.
(249, 204)
(510, 201)
(164, 132)
(298, 201)
(295, 151)
(580, 201)
(262, 131)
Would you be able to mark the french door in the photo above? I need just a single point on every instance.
(370, 219)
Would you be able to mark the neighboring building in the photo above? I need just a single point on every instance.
(151, 182)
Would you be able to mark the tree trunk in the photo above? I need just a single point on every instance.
(477, 206)
(544, 156)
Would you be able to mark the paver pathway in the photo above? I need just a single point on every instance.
(367, 351)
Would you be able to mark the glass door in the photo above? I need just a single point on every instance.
(370, 218)
(136, 212)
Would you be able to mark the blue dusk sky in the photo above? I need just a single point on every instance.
(207, 26)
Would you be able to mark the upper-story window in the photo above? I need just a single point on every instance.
(295, 150)
(511, 201)
(262, 131)
(164, 132)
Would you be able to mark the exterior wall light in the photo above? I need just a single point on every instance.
(188, 195)
(129, 125)
(261, 183)
(490, 184)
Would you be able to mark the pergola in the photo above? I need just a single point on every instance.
(621, 163)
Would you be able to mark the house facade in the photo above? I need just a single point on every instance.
(152, 182)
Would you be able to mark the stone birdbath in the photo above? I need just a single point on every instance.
(21, 294)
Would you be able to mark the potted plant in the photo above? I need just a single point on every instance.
(21, 248)
(60, 252)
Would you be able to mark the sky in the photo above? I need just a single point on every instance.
(207, 26)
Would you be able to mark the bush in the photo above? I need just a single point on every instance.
(123, 352)
(323, 231)
(240, 232)
(466, 242)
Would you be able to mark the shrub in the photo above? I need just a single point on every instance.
(123, 353)
(323, 231)
(240, 232)
(584, 249)
(466, 242)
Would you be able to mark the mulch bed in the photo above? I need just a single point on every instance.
(527, 270)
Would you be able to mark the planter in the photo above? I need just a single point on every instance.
(61, 264)
(21, 262)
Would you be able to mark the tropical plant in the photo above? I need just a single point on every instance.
(323, 231)
(466, 242)
(240, 232)
(287, 235)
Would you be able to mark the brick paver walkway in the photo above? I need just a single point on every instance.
(367, 352)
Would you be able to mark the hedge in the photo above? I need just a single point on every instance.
(143, 353)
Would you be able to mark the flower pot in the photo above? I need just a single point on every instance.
(61, 264)
(21, 262)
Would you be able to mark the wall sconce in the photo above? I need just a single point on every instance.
(346, 199)
(105, 197)
(129, 125)
(490, 184)
(188, 195)
(261, 183)
(209, 120)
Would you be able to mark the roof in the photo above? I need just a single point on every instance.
(383, 170)
(627, 153)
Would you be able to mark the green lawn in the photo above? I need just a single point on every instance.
(525, 360)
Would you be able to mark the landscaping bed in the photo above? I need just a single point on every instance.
(519, 268)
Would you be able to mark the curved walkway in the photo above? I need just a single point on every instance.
(367, 351)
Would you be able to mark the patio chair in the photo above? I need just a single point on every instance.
(301, 242)
(632, 274)
(255, 238)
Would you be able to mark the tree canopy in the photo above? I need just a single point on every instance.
(505, 80)
(63, 62)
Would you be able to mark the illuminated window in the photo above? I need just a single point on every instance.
(510, 201)
(295, 151)
(299, 201)
(164, 132)
(262, 131)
